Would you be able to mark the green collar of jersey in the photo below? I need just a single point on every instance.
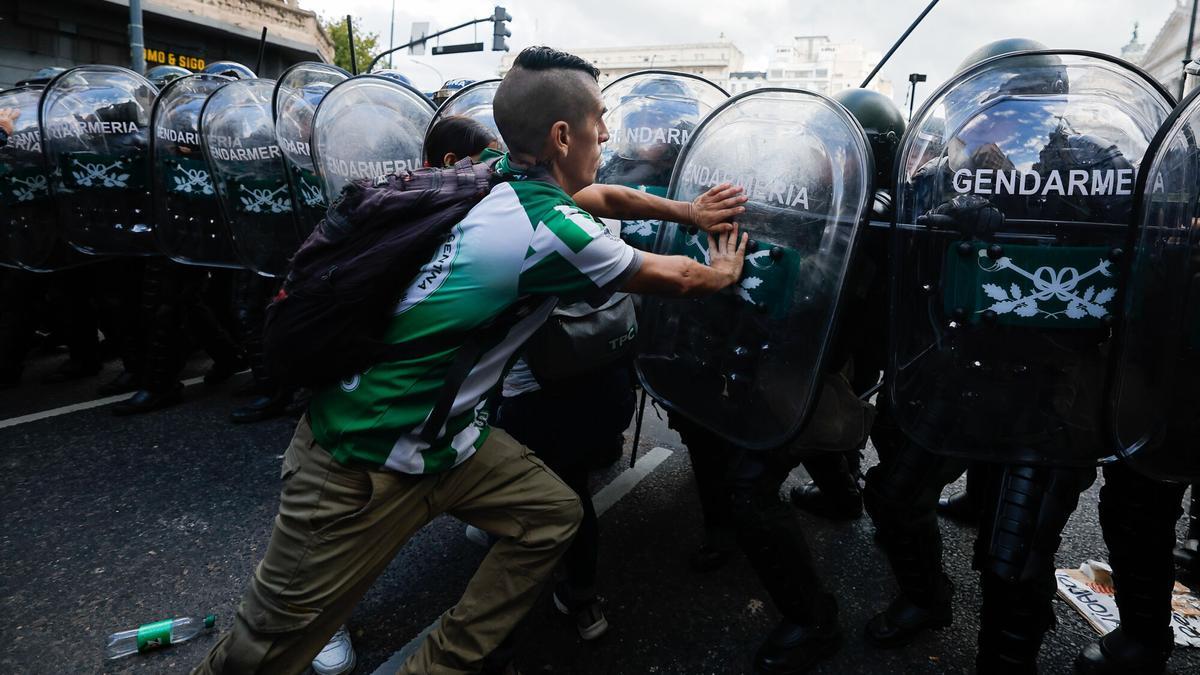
(510, 171)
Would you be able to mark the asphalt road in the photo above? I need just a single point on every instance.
(113, 522)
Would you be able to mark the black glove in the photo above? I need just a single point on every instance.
(972, 215)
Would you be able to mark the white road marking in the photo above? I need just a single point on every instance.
(76, 407)
(603, 500)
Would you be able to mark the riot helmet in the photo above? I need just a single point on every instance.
(884, 124)
(449, 88)
(162, 75)
(230, 69)
(658, 116)
(42, 76)
(396, 75)
(999, 48)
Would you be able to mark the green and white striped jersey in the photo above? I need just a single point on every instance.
(527, 238)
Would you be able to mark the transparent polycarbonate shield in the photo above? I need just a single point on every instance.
(188, 222)
(473, 101)
(249, 174)
(651, 114)
(28, 216)
(1155, 402)
(1013, 208)
(368, 126)
(746, 363)
(95, 124)
(297, 94)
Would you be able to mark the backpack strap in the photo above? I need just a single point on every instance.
(465, 359)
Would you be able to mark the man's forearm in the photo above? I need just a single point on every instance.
(623, 203)
(677, 276)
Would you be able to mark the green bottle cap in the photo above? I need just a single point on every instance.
(210, 620)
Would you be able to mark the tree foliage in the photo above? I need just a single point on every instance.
(366, 45)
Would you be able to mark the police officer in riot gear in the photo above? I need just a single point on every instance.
(231, 69)
(740, 459)
(1156, 415)
(175, 310)
(955, 401)
(257, 203)
(161, 76)
(834, 490)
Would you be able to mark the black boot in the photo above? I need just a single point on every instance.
(1120, 654)
(796, 647)
(262, 408)
(906, 618)
(121, 384)
(846, 505)
(146, 400)
(833, 493)
(1013, 620)
(924, 602)
(959, 508)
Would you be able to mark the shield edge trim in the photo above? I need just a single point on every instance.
(454, 96)
(212, 170)
(1186, 108)
(284, 74)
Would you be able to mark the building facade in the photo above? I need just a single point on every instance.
(35, 34)
(714, 61)
(816, 63)
(746, 80)
(1164, 57)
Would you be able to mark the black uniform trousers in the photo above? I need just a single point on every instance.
(1023, 510)
(1138, 516)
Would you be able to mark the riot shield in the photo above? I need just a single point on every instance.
(651, 114)
(747, 362)
(1156, 407)
(1007, 250)
(368, 126)
(297, 94)
(95, 124)
(28, 217)
(187, 213)
(238, 137)
(474, 101)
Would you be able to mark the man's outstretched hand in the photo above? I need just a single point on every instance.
(727, 252)
(715, 210)
(7, 117)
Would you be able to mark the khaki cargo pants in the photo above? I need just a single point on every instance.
(339, 527)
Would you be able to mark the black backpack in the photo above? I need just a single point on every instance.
(328, 320)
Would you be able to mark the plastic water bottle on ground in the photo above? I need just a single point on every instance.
(158, 634)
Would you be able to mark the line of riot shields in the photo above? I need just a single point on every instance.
(1044, 259)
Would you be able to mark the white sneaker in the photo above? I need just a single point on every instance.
(338, 655)
(480, 537)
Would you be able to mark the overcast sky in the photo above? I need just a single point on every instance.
(950, 32)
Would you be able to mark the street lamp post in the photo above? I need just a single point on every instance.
(913, 79)
(137, 45)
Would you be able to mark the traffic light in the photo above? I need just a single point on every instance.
(499, 30)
